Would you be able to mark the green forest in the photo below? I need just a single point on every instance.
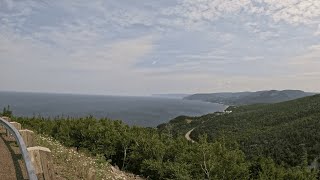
(287, 132)
(274, 141)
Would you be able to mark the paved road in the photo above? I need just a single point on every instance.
(187, 136)
(10, 160)
(7, 169)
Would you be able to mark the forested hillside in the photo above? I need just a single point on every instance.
(243, 98)
(156, 155)
(288, 132)
(277, 141)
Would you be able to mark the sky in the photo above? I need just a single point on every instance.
(143, 47)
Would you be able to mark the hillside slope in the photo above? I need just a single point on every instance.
(242, 98)
(71, 164)
(288, 132)
(155, 155)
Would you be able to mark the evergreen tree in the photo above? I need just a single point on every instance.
(6, 112)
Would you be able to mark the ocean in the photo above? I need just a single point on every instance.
(140, 111)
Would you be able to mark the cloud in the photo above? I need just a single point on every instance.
(263, 32)
(36, 65)
(121, 55)
(14, 13)
(317, 33)
(306, 65)
(295, 12)
(79, 52)
(120, 47)
(199, 12)
(311, 55)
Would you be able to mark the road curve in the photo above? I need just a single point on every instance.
(187, 136)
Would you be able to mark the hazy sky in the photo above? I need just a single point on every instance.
(141, 47)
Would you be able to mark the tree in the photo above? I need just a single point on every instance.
(7, 112)
(219, 162)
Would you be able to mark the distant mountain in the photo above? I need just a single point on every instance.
(244, 98)
(176, 96)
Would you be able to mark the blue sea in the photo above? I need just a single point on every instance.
(140, 111)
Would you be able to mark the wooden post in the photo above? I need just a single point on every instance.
(28, 137)
(91, 174)
(16, 125)
(42, 162)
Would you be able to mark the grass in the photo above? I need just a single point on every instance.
(70, 164)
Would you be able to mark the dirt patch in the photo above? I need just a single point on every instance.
(188, 121)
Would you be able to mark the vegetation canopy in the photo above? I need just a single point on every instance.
(275, 141)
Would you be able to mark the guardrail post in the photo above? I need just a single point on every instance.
(28, 137)
(16, 125)
(6, 118)
(42, 162)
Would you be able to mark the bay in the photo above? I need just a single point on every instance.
(140, 111)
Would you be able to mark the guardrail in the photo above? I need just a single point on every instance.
(22, 146)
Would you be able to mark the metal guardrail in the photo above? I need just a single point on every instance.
(23, 148)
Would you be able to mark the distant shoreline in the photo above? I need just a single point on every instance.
(143, 111)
